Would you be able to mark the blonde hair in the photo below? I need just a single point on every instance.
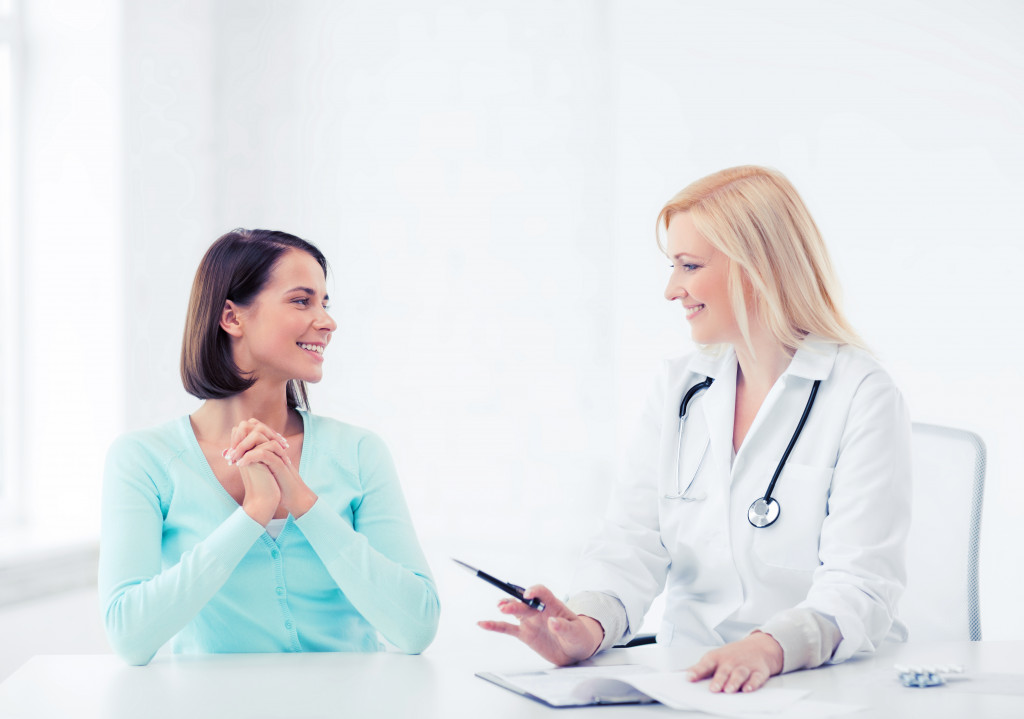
(777, 257)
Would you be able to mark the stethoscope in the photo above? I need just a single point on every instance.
(764, 510)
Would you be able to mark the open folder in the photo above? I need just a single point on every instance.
(638, 684)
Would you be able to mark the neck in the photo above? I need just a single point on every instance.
(217, 417)
(771, 361)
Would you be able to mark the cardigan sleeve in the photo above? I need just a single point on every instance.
(144, 604)
(376, 561)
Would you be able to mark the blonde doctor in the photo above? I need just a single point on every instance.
(776, 511)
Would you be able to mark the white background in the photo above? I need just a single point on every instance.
(484, 178)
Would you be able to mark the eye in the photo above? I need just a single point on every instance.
(304, 301)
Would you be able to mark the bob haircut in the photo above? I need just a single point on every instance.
(778, 264)
(236, 267)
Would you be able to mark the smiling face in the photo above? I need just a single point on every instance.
(283, 333)
(700, 281)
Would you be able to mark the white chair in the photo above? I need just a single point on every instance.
(941, 600)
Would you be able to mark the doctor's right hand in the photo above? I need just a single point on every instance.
(557, 634)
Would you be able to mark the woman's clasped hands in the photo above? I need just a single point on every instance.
(269, 476)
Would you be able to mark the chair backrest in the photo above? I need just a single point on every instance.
(941, 600)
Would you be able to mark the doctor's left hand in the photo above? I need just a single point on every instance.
(744, 665)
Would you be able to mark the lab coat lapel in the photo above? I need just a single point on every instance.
(719, 410)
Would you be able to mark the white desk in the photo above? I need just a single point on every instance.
(443, 684)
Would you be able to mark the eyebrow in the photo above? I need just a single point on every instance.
(681, 255)
(309, 291)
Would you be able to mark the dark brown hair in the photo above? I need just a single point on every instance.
(236, 268)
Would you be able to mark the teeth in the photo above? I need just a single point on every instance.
(313, 348)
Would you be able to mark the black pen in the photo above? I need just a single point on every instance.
(514, 590)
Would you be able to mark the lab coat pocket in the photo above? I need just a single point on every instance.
(792, 542)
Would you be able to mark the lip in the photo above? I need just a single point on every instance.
(693, 310)
(318, 355)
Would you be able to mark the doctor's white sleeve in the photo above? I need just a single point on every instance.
(863, 537)
(627, 559)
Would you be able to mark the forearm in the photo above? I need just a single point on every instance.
(142, 612)
(808, 638)
(606, 610)
(397, 597)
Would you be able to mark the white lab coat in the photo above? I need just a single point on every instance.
(838, 545)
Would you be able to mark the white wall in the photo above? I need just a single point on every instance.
(71, 378)
(448, 161)
(484, 179)
(901, 124)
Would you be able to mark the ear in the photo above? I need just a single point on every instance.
(230, 319)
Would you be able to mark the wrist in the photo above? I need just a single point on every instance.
(773, 650)
(260, 514)
(303, 503)
(596, 631)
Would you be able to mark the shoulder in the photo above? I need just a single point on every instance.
(160, 444)
(145, 458)
(862, 382)
(344, 443)
(858, 367)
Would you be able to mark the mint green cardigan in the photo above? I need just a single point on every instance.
(180, 560)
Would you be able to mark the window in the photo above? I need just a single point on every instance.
(10, 320)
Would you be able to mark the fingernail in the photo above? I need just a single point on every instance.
(224, 454)
(690, 676)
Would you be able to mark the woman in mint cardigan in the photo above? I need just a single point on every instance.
(252, 525)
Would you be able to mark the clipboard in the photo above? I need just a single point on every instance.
(565, 687)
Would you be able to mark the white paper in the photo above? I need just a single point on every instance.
(573, 686)
(673, 690)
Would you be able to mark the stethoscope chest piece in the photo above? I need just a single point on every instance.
(763, 512)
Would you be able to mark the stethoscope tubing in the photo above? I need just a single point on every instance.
(764, 511)
(684, 405)
(680, 493)
(793, 439)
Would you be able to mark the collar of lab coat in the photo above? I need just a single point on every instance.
(813, 360)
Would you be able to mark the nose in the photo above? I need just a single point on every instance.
(325, 322)
(674, 289)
